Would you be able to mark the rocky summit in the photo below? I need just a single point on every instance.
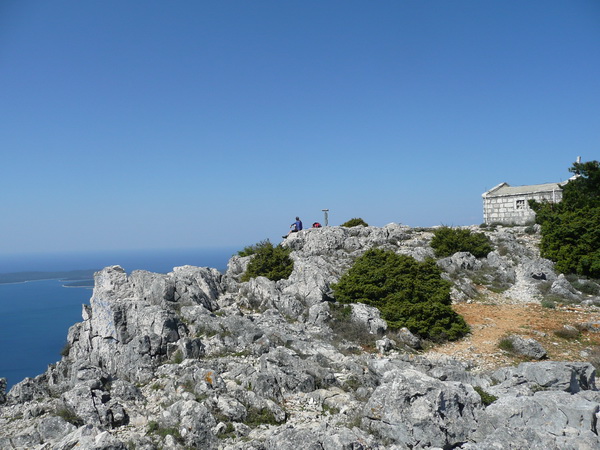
(198, 359)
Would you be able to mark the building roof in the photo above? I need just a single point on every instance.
(506, 189)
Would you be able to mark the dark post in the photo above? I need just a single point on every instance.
(325, 211)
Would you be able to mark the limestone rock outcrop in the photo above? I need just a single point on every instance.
(198, 359)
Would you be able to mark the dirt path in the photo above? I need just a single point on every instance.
(491, 322)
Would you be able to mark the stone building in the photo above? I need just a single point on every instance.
(509, 205)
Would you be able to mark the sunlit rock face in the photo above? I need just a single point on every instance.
(198, 359)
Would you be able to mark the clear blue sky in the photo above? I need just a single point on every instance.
(173, 124)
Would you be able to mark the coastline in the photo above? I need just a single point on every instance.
(36, 312)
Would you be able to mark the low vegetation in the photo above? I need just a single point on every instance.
(507, 345)
(69, 416)
(177, 357)
(268, 261)
(486, 398)
(586, 286)
(567, 332)
(355, 222)
(408, 293)
(447, 241)
(345, 329)
(257, 417)
(155, 428)
(548, 303)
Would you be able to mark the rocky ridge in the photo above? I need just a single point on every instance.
(198, 359)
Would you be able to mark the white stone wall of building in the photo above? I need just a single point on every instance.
(514, 209)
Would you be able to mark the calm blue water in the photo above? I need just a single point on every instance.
(34, 320)
(161, 261)
(35, 316)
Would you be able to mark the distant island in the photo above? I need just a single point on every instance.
(74, 278)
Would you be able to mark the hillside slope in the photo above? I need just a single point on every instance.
(198, 359)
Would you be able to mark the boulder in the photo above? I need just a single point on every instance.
(311, 279)
(546, 420)
(93, 438)
(592, 326)
(404, 336)
(318, 315)
(322, 436)
(154, 288)
(562, 288)
(198, 285)
(294, 373)
(193, 421)
(571, 377)
(27, 390)
(459, 262)
(413, 410)
(591, 301)
(385, 344)
(527, 347)
(370, 317)
(539, 269)
(53, 428)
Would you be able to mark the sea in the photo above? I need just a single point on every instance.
(35, 316)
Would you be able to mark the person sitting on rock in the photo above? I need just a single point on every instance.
(295, 227)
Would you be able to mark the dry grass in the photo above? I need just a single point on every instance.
(490, 323)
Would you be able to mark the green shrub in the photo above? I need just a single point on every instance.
(447, 241)
(69, 416)
(355, 223)
(408, 293)
(432, 320)
(586, 286)
(550, 304)
(572, 240)
(252, 249)
(341, 313)
(486, 398)
(177, 357)
(256, 417)
(571, 229)
(228, 432)
(567, 333)
(155, 428)
(507, 345)
(268, 261)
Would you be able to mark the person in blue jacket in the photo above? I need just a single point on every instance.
(295, 227)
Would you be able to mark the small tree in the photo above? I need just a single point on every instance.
(252, 249)
(571, 229)
(408, 293)
(355, 222)
(447, 241)
(268, 261)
